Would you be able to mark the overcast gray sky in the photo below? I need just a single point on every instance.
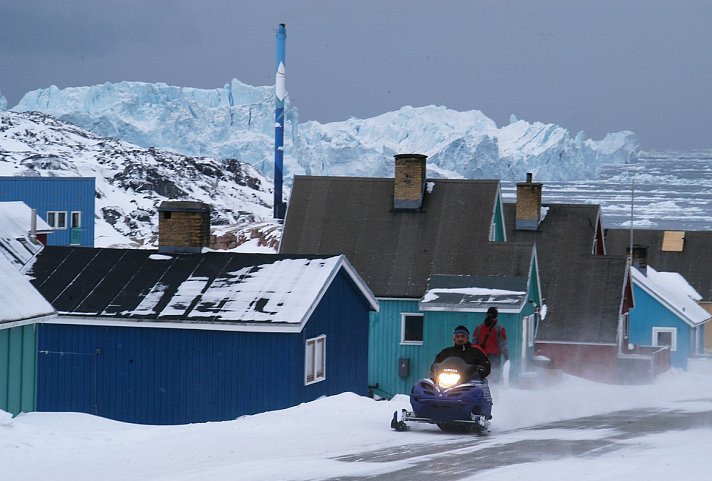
(599, 66)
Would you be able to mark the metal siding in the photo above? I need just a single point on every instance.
(56, 194)
(162, 376)
(385, 348)
(29, 367)
(17, 369)
(342, 315)
(649, 313)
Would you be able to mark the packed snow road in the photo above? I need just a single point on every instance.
(565, 428)
(588, 437)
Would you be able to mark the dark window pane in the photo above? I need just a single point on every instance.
(413, 329)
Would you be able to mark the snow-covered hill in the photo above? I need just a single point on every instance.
(131, 181)
(237, 121)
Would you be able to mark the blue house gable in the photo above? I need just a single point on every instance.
(167, 339)
(66, 203)
(666, 313)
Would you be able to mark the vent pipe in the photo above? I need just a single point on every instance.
(33, 225)
(280, 92)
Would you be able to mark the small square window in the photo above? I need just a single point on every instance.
(412, 329)
(665, 336)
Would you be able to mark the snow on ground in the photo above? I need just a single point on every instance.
(301, 443)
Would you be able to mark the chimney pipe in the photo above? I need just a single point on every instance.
(280, 92)
(33, 225)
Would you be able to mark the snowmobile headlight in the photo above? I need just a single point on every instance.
(447, 379)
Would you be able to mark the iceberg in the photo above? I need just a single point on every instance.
(237, 122)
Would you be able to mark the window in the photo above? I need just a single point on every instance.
(412, 329)
(57, 219)
(529, 322)
(315, 360)
(76, 219)
(665, 336)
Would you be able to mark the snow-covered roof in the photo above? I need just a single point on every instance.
(474, 293)
(672, 290)
(15, 242)
(223, 291)
(21, 303)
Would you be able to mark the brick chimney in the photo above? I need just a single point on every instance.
(528, 204)
(409, 183)
(183, 227)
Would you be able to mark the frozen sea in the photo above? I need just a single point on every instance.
(670, 190)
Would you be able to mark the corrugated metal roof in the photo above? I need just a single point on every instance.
(397, 251)
(218, 288)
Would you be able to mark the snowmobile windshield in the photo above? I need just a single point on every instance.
(451, 371)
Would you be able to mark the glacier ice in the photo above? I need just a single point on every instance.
(237, 122)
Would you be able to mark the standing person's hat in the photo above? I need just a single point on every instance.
(492, 311)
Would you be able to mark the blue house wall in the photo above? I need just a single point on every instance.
(175, 376)
(649, 313)
(57, 194)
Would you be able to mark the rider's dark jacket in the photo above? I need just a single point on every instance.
(468, 353)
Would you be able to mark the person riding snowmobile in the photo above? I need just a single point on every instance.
(465, 351)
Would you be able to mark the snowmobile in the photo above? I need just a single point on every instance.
(456, 398)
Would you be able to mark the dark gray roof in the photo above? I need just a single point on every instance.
(250, 290)
(583, 293)
(397, 251)
(693, 263)
(584, 301)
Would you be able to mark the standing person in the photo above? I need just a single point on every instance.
(493, 340)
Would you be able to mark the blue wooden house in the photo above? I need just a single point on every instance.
(65, 203)
(685, 252)
(399, 233)
(168, 337)
(22, 308)
(667, 313)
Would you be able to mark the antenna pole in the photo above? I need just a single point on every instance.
(632, 202)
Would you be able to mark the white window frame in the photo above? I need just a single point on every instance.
(403, 340)
(673, 337)
(55, 219)
(71, 219)
(315, 360)
(529, 320)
